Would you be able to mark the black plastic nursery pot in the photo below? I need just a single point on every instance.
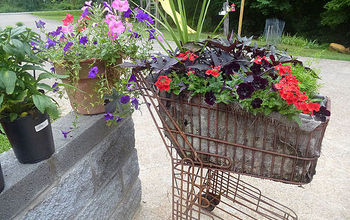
(2, 183)
(31, 137)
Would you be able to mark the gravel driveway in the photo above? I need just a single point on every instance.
(326, 197)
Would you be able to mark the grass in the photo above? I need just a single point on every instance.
(294, 45)
(4, 144)
(58, 15)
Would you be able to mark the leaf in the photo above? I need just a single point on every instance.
(13, 116)
(42, 102)
(16, 43)
(200, 66)
(8, 79)
(44, 86)
(1, 99)
(48, 75)
(18, 31)
(164, 64)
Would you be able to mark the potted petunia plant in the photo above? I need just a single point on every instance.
(251, 110)
(90, 51)
(24, 106)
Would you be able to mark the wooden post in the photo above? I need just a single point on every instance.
(157, 13)
(227, 20)
(241, 18)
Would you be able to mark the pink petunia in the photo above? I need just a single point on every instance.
(67, 29)
(128, 26)
(116, 27)
(120, 5)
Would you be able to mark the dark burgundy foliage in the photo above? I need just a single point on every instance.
(256, 103)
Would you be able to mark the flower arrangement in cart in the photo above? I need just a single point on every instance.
(261, 80)
(104, 33)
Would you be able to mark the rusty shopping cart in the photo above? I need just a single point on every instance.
(207, 160)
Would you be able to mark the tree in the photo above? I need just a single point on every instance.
(338, 12)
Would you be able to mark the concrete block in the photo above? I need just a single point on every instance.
(91, 130)
(107, 199)
(131, 203)
(130, 169)
(23, 183)
(66, 199)
(107, 158)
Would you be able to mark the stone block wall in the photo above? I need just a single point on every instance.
(92, 175)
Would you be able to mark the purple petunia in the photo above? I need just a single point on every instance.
(132, 78)
(40, 24)
(55, 33)
(109, 116)
(118, 119)
(245, 90)
(67, 46)
(65, 133)
(83, 40)
(256, 103)
(55, 87)
(33, 43)
(85, 12)
(125, 99)
(151, 34)
(93, 72)
(50, 43)
(52, 69)
(106, 5)
(259, 82)
(127, 13)
(144, 17)
(210, 98)
(95, 42)
(135, 103)
(135, 35)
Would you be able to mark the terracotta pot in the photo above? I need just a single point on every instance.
(88, 102)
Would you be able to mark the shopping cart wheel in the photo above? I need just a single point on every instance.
(213, 199)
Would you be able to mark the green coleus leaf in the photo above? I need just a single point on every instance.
(8, 79)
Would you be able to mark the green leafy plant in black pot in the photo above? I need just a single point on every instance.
(24, 107)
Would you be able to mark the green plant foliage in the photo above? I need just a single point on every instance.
(338, 12)
(19, 89)
(4, 144)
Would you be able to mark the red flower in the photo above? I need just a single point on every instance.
(208, 72)
(187, 55)
(283, 69)
(214, 71)
(68, 19)
(163, 83)
(259, 60)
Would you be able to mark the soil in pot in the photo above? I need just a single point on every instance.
(31, 137)
(2, 183)
(85, 99)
